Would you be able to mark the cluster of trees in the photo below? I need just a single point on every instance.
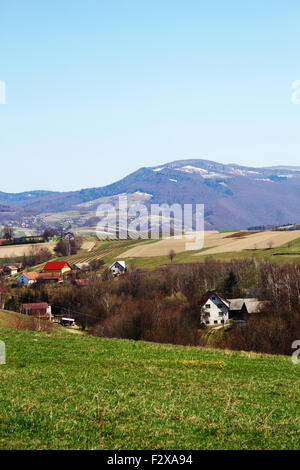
(67, 247)
(36, 255)
(7, 233)
(48, 233)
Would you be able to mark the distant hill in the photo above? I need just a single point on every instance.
(235, 196)
(5, 208)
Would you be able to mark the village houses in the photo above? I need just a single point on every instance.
(27, 279)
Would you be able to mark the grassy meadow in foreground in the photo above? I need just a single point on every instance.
(62, 391)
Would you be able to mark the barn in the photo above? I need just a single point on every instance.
(61, 267)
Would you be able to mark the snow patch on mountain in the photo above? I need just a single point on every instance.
(140, 193)
(158, 169)
(191, 169)
(201, 171)
(264, 179)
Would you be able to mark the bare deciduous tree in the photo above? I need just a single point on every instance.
(171, 255)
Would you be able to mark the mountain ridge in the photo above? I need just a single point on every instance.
(235, 196)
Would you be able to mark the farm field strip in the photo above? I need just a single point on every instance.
(162, 247)
(259, 241)
(215, 242)
(19, 250)
(87, 245)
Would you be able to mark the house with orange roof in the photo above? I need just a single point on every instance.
(10, 270)
(27, 278)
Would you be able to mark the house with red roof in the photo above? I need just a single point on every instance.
(61, 267)
(37, 309)
(49, 277)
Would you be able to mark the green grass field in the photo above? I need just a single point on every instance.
(9, 319)
(63, 391)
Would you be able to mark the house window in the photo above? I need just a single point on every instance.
(215, 321)
(207, 306)
(221, 314)
(222, 321)
(207, 322)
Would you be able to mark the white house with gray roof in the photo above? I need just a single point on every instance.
(117, 268)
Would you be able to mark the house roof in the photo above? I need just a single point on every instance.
(55, 265)
(121, 263)
(49, 276)
(12, 268)
(252, 305)
(236, 304)
(208, 295)
(35, 306)
(32, 275)
(81, 265)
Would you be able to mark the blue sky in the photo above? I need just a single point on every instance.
(97, 89)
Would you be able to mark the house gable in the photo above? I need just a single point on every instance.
(213, 309)
(121, 265)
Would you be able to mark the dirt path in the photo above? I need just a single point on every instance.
(88, 245)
